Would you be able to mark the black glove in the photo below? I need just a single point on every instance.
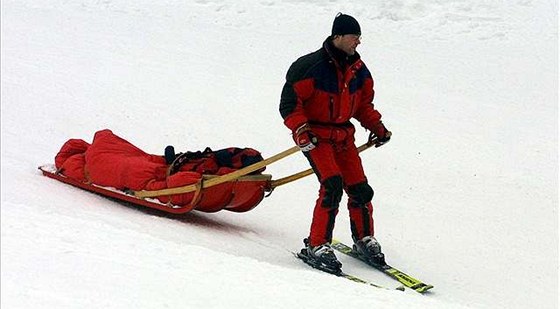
(305, 138)
(379, 135)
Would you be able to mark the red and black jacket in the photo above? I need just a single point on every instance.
(323, 88)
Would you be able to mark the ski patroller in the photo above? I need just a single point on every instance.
(392, 272)
(339, 273)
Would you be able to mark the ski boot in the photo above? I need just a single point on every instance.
(321, 257)
(369, 250)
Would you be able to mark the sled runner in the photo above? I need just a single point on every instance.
(89, 166)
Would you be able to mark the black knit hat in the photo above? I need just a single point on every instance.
(345, 24)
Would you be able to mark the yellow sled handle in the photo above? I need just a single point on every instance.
(217, 180)
(296, 176)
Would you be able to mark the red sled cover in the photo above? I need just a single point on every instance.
(112, 166)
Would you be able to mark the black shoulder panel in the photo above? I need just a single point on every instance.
(303, 67)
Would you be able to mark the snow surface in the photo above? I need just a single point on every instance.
(466, 192)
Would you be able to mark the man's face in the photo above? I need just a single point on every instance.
(347, 43)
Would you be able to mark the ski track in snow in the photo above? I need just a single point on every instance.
(466, 192)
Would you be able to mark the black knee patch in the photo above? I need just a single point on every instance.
(360, 194)
(333, 192)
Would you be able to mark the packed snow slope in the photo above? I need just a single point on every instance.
(466, 191)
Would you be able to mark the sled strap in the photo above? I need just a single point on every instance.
(220, 179)
(296, 176)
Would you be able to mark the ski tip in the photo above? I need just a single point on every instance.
(424, 289)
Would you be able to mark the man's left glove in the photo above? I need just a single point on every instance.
(305, 138)
(379, 135)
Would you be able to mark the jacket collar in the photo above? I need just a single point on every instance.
(342, 59)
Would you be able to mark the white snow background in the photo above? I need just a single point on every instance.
(466, 192)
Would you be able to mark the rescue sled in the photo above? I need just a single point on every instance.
(237, 191)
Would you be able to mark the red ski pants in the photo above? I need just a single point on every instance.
(339, 167)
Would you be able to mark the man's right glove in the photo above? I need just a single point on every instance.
(379, 135)
(305, 138)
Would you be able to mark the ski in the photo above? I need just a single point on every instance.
(339, 273)
(392, 272)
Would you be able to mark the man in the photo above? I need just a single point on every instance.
(323, 91)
